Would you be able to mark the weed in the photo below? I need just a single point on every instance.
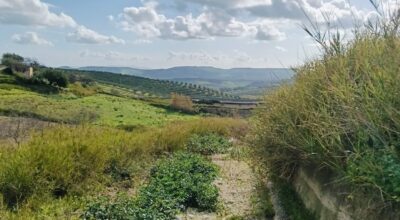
(176, 183)
(208, 144)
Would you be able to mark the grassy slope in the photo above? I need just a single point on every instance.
(76, 160)
(342, 113)
(101, 109)
(154, 87)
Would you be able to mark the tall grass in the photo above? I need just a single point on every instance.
(73, 160)
(341, 112)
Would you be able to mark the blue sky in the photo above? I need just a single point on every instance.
(161, 34)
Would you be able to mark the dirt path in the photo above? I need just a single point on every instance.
(236, 184)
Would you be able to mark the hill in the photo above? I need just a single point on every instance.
(99, 107)
(160, 88)
(236, 81)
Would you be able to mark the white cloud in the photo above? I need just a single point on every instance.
(32, 13)
(264, 20)
(88, 36)
(111, 56)
(268, 32)
(37, 13)
(30, 38)
(234, 58)
(282, 49)
(148, 23)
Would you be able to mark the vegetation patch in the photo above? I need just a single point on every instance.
(291, 202)
(176, 183)
(208, 144)
(341, 112)
(77, 161)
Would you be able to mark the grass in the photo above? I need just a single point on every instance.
(292, 203)
(69, 163)
(176, 183)
(341, 112)
(100, 109)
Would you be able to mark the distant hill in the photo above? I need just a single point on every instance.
(161, 88)
(241, 81)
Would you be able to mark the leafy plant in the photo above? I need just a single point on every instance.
(176, 183)
(208, 144)
(183, 181)
(102, 208)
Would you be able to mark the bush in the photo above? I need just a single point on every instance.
(123, 208)
(208, 144)
(53, 77)
(181, 102)
(51, 164)
(341, 107)
(71, 160)
(14, 62)
(176, 183)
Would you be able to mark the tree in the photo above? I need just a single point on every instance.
(14, 61)
(55, 77)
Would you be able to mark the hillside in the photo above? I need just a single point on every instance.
(100, 107)
(160, 88)
(236, 81)
(91, 150)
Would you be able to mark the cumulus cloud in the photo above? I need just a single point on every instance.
(88, 36)
(32, 13)
(235, 57)
(111, 56)
(147, 22)
(30, 38)
(282, 49)
(265, 20)
(37, 13)
(317, 10)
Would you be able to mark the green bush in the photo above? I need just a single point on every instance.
(53, 77)
(176, 183)
(208, 144)
(339, 107)
(56, 162)
(376, 168)
(182, 181)
(123, 208)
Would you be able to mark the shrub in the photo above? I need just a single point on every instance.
(123, 208)
(82, 90)
(14, 62)
(70, 160)
(208, 144)
(53, 77)
(57, 162)
(181, 102)
(176, 183)
(340, 107)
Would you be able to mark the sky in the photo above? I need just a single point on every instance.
(162, 34)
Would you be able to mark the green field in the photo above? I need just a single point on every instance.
(100, 109)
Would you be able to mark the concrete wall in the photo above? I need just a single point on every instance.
(330, 201)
